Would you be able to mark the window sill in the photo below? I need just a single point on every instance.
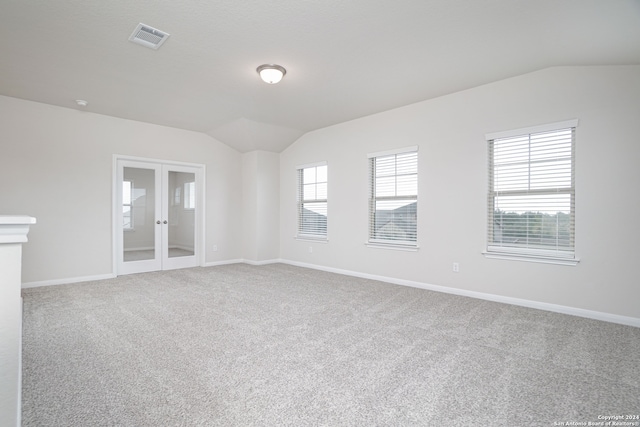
(544, 259)
(393, 247)
(312, 239)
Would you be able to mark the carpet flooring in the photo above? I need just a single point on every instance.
(278, 345)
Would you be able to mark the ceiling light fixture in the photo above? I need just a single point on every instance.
(271, 73)
(81, 103)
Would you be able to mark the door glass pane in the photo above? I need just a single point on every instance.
(182, 204)
(138, 214)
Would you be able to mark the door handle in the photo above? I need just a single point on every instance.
(158, 222)
(165, 222)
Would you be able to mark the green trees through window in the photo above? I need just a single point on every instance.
(533, 229)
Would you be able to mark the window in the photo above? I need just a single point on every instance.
(133, 205)
(127, 212)
(177, 196)
(185, 196)
(531, 200)
(190, 195)
(393, 197)
(312, 201)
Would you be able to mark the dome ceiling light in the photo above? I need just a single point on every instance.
(271, 73)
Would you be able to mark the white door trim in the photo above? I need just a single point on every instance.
(199, 169)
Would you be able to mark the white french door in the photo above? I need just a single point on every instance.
(158, 211)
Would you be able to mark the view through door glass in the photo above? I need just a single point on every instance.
(182, 208)
(138, 214)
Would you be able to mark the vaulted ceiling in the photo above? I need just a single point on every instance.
(344, 59)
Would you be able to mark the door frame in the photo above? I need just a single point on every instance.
(116, 197)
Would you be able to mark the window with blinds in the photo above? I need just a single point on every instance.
(312, 201)
(393, 200)
(531, 196)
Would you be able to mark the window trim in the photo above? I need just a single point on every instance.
(131, 226)
(392, 246)
(549, 127)
(403, 245)
(529, 257)
(538, 255)
(402, 150)
(321, 238)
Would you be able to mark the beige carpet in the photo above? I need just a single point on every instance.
(277, 345)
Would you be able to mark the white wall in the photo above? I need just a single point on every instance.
(268, 206)
(261, 205)
(56, 164)
(249, 205)
(453, 184)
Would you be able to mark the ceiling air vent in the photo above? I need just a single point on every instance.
(148, 36)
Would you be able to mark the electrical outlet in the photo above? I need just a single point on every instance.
(215, 248)
(456, 267)
(310, 249)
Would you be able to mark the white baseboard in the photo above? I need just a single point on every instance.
(265, 262)
(242, 261)
(183, 247)
(226, 262)
(68, 280)
(141, 248)
(113, 275)
(590, 314)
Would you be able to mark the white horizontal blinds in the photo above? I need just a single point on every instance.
(312, 201)
(393, 202)
(532, 193)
